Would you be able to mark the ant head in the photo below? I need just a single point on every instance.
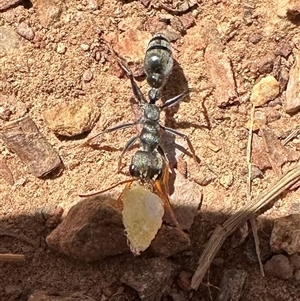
(146, 165)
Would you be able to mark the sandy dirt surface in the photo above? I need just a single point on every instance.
(51, 57)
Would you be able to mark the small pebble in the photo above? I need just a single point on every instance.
(256, 172)
(87, 76)
(266, 63)
(226, 180)
(283, 49)
(25, 31)
(5, 113)
(255, 38)
(187, 20)
(71, 119)
(85, 47)
(23, 137)
(203, 177)
(168, 241)
(247, 18)
(91, 231)
(184, 280)
(93, 4)
(9, 40)
(195, 13)
(49, 12)
(61, 48)
(275, 102)
(265, 90)
(146, 2)
(285, 235)
(151, 277)
(279, 266)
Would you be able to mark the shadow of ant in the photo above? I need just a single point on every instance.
(176, 84)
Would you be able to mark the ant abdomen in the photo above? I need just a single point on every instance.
(158, 63)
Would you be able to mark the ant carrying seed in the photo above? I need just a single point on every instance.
(150, 164)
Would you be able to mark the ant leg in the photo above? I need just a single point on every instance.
(84, 195)
(164, 197)
(185, 137)
(162, 153)
(109, 130)
(165, 177)
(127, 187)
(128, 145)
(136, 90)
(175, 100)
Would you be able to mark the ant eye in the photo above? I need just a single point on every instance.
(134, 171)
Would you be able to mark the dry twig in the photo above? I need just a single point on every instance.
(291, 136)
(7, 232)
(11, 257)
(249, 190)
(230, 225)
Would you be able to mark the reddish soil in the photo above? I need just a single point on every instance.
(35, 77)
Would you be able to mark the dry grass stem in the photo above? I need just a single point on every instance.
(249, 190)
(230, 225)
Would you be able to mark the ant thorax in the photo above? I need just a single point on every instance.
(151, 111)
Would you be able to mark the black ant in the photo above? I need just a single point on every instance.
(150, 164)
(147, 163)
